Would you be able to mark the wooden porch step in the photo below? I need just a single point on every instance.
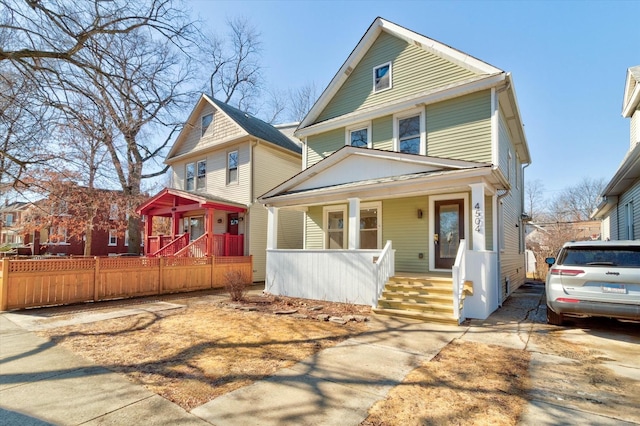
(422, 316)
(419, 289)
(417, 297)
(425, 307)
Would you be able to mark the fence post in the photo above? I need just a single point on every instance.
(161, 275)
(4, 285)
(96, 280)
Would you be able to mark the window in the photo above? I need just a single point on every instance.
(201, 182)
(629, 220)
(232, 167)
(382, 77)
(359, 136)
(409, 132)
(369, 220)
(113, 237)
(126, 238)
(113, 211)
(335, 229)
(8, 219)
(58, 235)
(190, 176)
(206, 122)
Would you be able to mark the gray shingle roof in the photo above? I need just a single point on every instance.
(258, 128)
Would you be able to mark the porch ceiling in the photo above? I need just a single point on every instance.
(169, 200)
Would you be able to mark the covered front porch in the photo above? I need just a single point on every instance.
(438, 220)
(199, 225)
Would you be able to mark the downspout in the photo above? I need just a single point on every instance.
(500, 231)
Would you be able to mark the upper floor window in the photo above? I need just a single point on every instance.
(409, 132)
(113, 211)
(113, 237)
(206, 122)
(359, 136)
(201, 182)
(232, 167)
(382, 77)
(190, 176)
(8, 219)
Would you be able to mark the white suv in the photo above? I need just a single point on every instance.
(594, 278)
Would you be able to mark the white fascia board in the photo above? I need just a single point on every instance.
(391, 189)
(519, 126)
(628, 171)
(423, 98)
(633, 103)
(206, 149)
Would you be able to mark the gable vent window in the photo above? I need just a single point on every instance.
(382, 77)
(206, 122)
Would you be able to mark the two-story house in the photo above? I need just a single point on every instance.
(412, 184)
(11, 234)
(620, 205)
(220, 162)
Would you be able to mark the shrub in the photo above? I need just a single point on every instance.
(236, 283)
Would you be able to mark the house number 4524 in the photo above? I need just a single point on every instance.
(477, 217)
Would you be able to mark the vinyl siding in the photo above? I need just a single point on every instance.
(315, 234)
(217, 174)
(271, 168)
(461, 128)
(504, 146)
(258, 240)
(488, 222)
(382, 133)
(634, 131)
(323, 145)
(632, 195)
(414, 70)
(409, 235)
(512, 258)
(222, 129)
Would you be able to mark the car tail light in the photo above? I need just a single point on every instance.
(569, 272)
(565, 300)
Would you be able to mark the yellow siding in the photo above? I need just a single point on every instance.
(409, 235)
(460, 128)
(414, 70)
(257, 237)
(382, 133)
(315, 235)
(272, 167)
(323, 145)
(222, 129)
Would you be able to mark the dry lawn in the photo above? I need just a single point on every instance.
(197, 353)
(466, 383)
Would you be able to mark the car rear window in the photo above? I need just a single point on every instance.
(601, 256)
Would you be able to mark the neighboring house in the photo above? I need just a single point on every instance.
(620, 206)
(412, 149)
(106, 240)
(11, 234)
(220, 162)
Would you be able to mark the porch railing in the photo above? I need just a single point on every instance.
(228, 245)
(173, 247)
(156, 242)
(197, 248)
(459, 273)
(384, 268)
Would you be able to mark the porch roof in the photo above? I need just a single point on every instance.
(170, 200)
(370, 174)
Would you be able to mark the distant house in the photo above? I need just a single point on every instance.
(620, 206)
(412, 180)
(221, 161)
(11, 234)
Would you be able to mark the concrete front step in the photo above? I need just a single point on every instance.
(422, 316)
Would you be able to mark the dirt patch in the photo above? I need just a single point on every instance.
(212, 346)
(466, 383)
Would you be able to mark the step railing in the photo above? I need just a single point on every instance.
(173, 247)
(384, 268)
(197, 248)
(458, 275)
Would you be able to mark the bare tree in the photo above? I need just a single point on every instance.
(576, 203)
(301, 101)
(235, 65)
(534, 198)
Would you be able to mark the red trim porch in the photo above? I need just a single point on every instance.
(180, 205)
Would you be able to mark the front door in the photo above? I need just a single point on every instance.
(232, 225)
(449, 230)
(196, 227)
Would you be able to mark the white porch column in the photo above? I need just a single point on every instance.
(272, 227)
(478, 216)
(354, 223)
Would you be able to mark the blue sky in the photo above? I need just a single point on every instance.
(568, 60)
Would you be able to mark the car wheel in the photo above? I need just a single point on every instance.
(554, 318)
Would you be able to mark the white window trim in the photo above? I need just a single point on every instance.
(360, 126)
(114, 234)
(325, 232)
(423, 128)
(375, 205)
(373, 75)
(197, 176)
(237, 181)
